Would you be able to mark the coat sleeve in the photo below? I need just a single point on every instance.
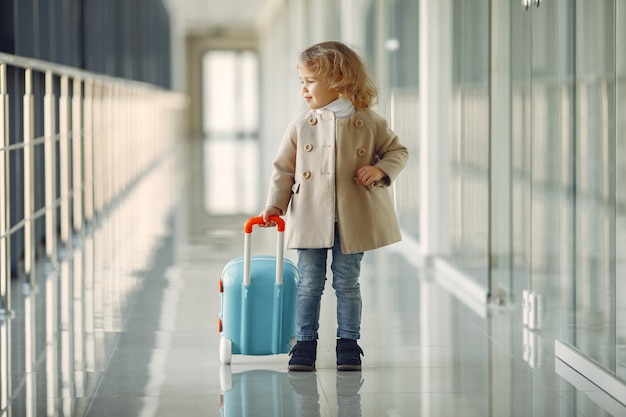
(283, 169)
(391, 152)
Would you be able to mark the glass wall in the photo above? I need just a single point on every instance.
(592, 285)
(620, 188)
(542, 152)
(567, 167)
(565, 159)
(469, 141)
(568, 173)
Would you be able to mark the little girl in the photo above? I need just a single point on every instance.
(332, 170)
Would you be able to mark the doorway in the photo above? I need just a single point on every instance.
(230, 122)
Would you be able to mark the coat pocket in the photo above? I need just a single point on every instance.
(375, 185)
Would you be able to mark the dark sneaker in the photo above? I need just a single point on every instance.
(303, 356)
(348, 355)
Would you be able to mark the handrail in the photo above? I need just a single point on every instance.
(72, 72)
(100, 134)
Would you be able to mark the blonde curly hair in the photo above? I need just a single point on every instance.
(345, 71)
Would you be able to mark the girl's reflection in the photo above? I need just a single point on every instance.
(291, 393)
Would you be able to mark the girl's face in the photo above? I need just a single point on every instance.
(315, 90)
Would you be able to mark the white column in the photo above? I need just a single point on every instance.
(435, 54)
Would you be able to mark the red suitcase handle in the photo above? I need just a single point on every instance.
(279, 247)
(247, 228)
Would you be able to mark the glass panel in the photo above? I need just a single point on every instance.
(620, 189)
(550, 173)
(595, 197)
(542, 154)
(520, 146)
(402, 58)
(469, 177)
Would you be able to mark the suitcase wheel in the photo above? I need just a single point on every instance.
(226, 350)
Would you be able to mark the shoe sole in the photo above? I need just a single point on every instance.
(301, 368)
(348, 367)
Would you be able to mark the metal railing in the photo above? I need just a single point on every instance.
(80, 141)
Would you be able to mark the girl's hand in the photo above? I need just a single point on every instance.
(270, 211)
(368, 174)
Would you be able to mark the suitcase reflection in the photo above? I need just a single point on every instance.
(284, 394)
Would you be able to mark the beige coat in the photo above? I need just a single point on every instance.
(314, 174)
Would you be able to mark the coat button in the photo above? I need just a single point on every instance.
(361, 152)
(306, 175)
(358, 123)
(312, 121)
(308, 147)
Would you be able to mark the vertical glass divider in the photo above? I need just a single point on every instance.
(500, 162)
(435, 23)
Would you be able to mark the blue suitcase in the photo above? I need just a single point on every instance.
(258, 299)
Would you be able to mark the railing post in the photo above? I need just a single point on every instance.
(29, 178)
(107, 177)
(64, 159)
(77, 155)
(98, 149)
(6, 374)
(88, 180)
(5, 247)
(114, 129)
(50, 169)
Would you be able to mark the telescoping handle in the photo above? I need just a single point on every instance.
(279, 247)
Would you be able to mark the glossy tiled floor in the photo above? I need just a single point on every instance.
(125, 325)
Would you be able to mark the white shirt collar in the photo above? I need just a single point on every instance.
(341, 107)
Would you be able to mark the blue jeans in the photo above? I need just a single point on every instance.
(312, 269)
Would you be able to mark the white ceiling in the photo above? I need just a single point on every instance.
(198, 16)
